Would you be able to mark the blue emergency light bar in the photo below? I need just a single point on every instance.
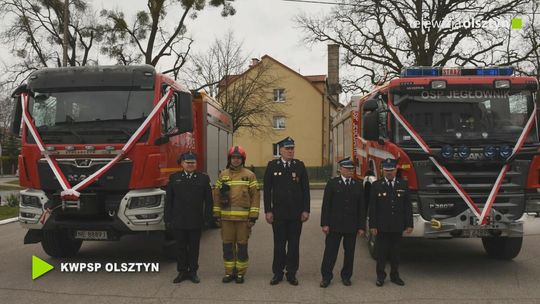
(439, 71)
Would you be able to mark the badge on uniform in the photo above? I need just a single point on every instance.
(399, 194)
(294, 177)
(279, 173)
(384, 194)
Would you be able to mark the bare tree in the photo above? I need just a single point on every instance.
(6, 104)
(245, 95)
(380, 37)
(248, 98)
(148, 38)
(529, 41)
(34, 35)
(205, 70)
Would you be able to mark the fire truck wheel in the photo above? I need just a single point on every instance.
(371, 245)
(503, 248)
(58, 244)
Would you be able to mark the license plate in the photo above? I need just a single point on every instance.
(91, 235)
(480, 232)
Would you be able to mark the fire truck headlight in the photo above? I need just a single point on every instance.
(502, 84)
(505, 151)
(489, 151)
(30, 201)
(447, 151)
(464, 152)
(144, 201)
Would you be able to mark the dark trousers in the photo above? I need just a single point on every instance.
(286, 246)
(333, 239)
(387, 248)
(187, 244)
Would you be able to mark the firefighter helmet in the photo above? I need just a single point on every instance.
(237, 151)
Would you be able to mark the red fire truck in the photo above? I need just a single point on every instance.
(467, 143)
(98, 146)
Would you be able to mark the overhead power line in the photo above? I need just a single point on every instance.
(352, 4)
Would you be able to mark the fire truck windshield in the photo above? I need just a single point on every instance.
(89, 116)
(457, 116)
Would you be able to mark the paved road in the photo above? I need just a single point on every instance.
(441, 271)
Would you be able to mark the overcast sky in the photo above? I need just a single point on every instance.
(265, 26)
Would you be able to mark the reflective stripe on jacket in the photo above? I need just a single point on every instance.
(244, 196)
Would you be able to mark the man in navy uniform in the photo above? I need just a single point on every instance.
(188, 206)
(286, 205)
(390, 213)
(342, 217)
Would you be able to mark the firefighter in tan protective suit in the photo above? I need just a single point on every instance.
(236, 208)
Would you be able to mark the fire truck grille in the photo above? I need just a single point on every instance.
(438, 198)
(77, 169)
(93, 206)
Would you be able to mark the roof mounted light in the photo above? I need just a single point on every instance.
(456, 71)
(495, 71)
(420, 71)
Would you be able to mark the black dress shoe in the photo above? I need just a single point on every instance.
(324, 283)
(292, 280)
(227, 278)
(397, 281)
(276, 279)
(347, 282)
(179, 278)
(239, 279)
(379, 282)
(195, 278)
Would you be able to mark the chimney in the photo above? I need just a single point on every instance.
(254, 62)
(334, 88)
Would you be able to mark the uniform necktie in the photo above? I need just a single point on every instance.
(287, 164)
(348, 182)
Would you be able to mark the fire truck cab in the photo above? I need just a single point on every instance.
(466, 141)
(98, 146)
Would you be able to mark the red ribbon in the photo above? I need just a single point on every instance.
(72, 193)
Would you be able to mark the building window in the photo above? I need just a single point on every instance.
(278, 122)
(279, 95)
(275, 150)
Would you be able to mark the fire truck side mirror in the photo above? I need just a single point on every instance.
(17, 110)
(371, 126)
(371, 105)
(184, 112)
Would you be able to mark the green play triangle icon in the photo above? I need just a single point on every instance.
(40, 267)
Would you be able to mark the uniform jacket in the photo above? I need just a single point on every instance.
(390, 209)
(188, 201)
(286, 190)
(244, 196)
(343, 206)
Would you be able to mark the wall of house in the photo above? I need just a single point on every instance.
(304, 122)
